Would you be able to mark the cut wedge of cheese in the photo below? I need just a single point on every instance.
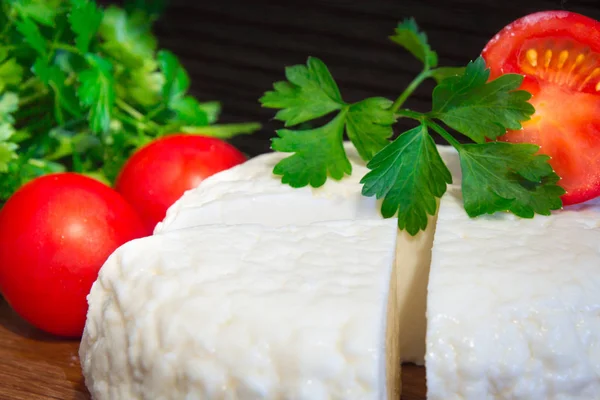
(246, 312)
(513, 307)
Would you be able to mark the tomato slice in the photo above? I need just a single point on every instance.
(559, 54)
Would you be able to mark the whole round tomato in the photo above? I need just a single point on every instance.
(159, 173)
(558, 52)
(55, 234)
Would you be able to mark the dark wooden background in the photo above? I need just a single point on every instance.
(235, 49)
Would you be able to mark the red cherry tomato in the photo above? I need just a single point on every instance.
(559, 54)
(55, 234)
(159, 173)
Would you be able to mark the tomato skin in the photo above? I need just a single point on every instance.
(159, 173)
(558, 52)
(55, 234)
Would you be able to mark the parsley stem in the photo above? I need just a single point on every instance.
(141, 119)
(29, 99)
(66, 47)
(426, 73)
(28, 83)
(410, 114)
(444, 133)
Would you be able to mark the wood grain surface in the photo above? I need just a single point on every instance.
(36, 366)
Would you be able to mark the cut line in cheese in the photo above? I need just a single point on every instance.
(246, 312)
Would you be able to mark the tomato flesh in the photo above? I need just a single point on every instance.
(159, 173)
(559, 54)
(55, 234)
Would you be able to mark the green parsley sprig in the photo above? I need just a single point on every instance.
(408, 172)
(82, 87)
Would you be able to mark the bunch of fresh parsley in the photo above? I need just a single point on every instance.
(81, 87)
(408, 173)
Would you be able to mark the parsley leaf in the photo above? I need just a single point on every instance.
(310, 93)
(317, 152)
(32, 35)
(408, 36)
(8, 105)
(97, 91)
(85, 19)
(212, 109)
(439, 74)
(410, 175)
(480, 109)
(127, 38)
(42, 11)
(10, 71)
(65, 97)
(177, 80)
(369, 125)
(189, 111)
(500, 176)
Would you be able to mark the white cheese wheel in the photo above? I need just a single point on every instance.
(513, 305)
(125, 308)
(245, 312)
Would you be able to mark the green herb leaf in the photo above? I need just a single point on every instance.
(9, 103)
(85, 19)
(97, 91)
(189, 111)
(408, 36)
(32, 35)
(498, 176)
(10, 72)
(318, 153)
(369, 125)
(7, 154)
(212, 109)
(143, 85)
(177, 80)
(127, 38)
(481, 109)
(410, 176)
(42, 11)
(310, 93)
(65, 97)
(439, 74)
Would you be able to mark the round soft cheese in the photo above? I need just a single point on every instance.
(252, 289)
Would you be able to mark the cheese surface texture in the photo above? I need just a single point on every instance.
(244, 312)
(513, 306)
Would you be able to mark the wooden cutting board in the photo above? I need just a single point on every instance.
(36, 366)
